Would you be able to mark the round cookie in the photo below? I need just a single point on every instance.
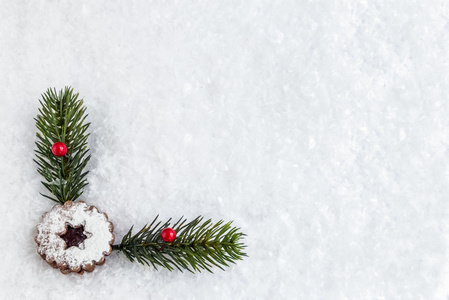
(74, 237)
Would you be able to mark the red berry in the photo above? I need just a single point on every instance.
(168, 235)
(59, 149)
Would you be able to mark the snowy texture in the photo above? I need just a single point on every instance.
(55, 223)
(320, 127)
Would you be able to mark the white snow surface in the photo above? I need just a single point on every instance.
(320, 127)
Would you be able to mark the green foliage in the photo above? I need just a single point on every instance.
(198, 245)
(61, 119)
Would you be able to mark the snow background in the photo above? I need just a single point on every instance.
(320, 127)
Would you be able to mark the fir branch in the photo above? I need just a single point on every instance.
(61, 119)
(198, 245)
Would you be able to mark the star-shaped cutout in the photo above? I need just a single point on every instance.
(74, 236)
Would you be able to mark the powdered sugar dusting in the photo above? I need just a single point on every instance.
(96, 227)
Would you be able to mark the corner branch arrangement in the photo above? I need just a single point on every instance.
(199, 245)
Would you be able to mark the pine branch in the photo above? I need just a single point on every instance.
(61, 119)
(198, 245)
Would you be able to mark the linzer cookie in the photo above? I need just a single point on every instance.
(74, 237)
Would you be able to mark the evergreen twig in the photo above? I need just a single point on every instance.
(198, 245)
(61, 119)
